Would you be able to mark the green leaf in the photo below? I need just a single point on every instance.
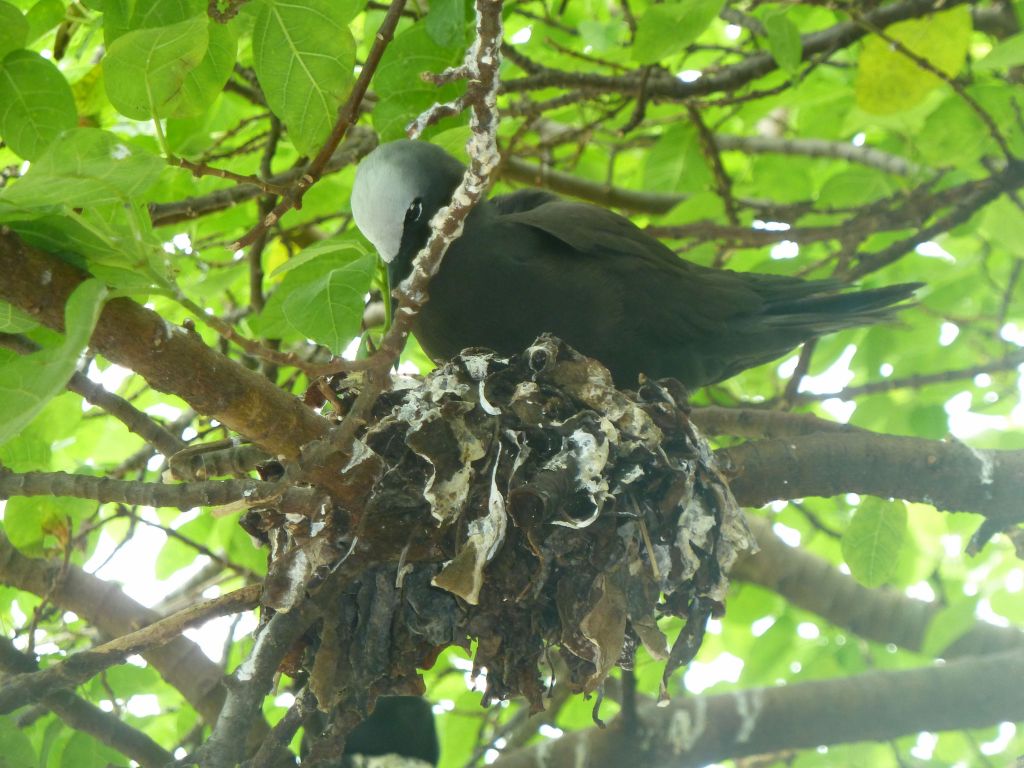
(15, 748)
(324, 299)
(668, 28)
(121, 16)
(44, 16)
(30, 521)
(304, 54)
(28, 383)
(87, 167)
(145, 70)
(203, 83)
(403, 98)
(676, 162)
(948, 626)
(603, 36)
(83, 751)
(952, 130)
(889, 81)
(784, 41)
(13, 320)
(28, 452)
(872, 542)
(13, 29)
(1007, 53)
(326, 247)
(446, 22)
(854, 186)
(36, 104)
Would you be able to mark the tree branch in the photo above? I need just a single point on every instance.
(969, 693)
(136, 421)
(30, 687)
(358, 143)
(169, 358)
(735, 76)
(104, 489)
(180, 662)
(951, 476)
(884, 616)
(80, 715)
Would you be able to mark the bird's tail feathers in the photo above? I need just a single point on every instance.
(833, 312)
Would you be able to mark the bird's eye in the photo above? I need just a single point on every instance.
(414, 212)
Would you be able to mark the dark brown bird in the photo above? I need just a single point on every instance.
(530, 262)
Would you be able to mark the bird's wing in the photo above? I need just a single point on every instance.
(682, 298)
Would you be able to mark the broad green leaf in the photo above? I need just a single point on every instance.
(948, 626)
(676, 162)
(36, 104)
(13, 320)
(889, 81)
(146, 70)
(321, 249)
(15, 748)
(84, 751)
(28, 383)
(86, 167)
(28, 452)
(1007, 53)
(121, 16)
(44, 16)
(13, 29)
(326, 303)
(446, 22)
(872, 542)
(303, 55)
(854, 186)
(603, 36)
(203, 83)
(668, 28)
(953, 132)
(784, 41)
(404, 98)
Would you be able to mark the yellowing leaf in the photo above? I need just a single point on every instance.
(890, 81)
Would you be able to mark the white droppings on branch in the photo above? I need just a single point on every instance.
(985, 463)
(685, 727)
(749, 705)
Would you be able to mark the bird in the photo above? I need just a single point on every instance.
(532, 262)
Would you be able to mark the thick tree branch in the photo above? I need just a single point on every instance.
(169, 358)
(951, 476)
(885, 616)
(750, 422)
(968, 693)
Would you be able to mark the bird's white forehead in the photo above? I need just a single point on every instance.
(384, 189)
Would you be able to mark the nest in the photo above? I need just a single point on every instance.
(522, 503)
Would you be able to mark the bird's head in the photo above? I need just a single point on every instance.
(398, 189)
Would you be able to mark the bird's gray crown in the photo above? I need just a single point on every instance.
(388, 180)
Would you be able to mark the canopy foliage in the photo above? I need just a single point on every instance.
(157, 148)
